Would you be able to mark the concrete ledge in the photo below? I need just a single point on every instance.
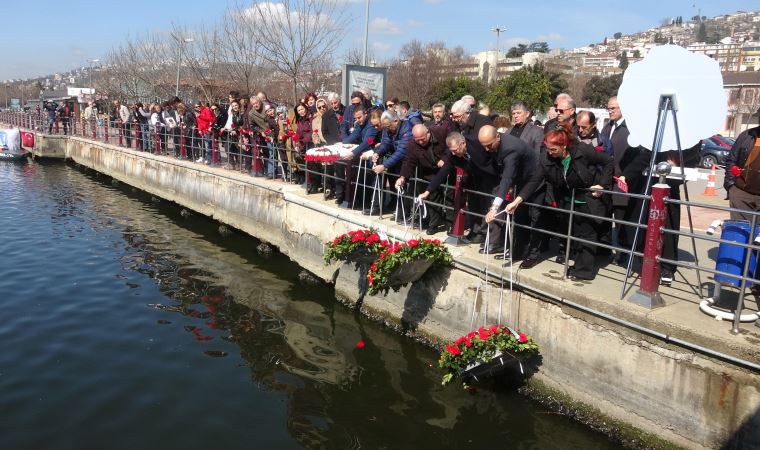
(679, 395)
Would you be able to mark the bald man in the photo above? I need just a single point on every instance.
(515, 162)
(425, 155)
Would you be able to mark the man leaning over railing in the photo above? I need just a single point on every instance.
(425, 155)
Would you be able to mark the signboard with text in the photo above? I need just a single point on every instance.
(355, 77)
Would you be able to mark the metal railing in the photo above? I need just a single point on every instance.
(254, 155)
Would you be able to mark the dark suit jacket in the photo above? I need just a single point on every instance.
(426, 158)
(473, 125)
(622, 155)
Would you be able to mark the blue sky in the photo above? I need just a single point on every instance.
(43, 37)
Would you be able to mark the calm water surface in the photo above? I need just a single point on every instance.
(126, 325)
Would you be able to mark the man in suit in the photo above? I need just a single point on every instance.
(524, 128)
(514, 162)
(614, 137)
(564, 108)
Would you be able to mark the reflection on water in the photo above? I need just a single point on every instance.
(128, 324)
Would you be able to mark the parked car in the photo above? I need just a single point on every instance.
(714, 151)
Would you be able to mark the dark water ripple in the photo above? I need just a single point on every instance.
(125, 325)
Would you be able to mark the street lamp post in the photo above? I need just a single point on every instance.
(6, 95)
(181, 42)
(498, 31)
(366, 34)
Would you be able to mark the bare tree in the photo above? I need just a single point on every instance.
(354, 56)
(296, 34)
(419, 67)
(241, 38)
(204, 60)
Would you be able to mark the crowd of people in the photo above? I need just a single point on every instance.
(562, 164)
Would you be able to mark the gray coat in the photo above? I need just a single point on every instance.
(533, 136)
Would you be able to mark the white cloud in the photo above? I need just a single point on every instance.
(413, 23)
(432, 2)
(550, 37)
(381, 47)
(383, 25)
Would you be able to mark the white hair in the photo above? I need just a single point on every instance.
(461, 107)
(333, 96)
(469, 99)
(389, 114)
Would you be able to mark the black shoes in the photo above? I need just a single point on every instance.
(329, 195)
(575, 277)
(528, 263)
(435, 229)
(560, 258)
(666, 277)
(475, 238)
(492, 249)
(371, 212)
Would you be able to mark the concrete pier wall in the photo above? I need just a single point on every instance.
(684, 397)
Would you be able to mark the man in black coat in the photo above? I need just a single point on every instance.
(468, 121)
(742, 180)
(426, 154)
(472, 157)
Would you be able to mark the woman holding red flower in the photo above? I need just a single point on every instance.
(302, 138)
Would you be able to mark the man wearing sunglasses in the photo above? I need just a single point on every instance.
(566, 104)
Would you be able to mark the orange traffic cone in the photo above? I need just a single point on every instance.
(710, 186)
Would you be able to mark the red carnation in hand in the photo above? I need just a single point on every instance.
(370, 141)
(340, 117)
(297, 137)
(554, 204)
(268, 130)
(522, 338)
(287, 121)
(360, 344)
(283, 137)
(736, 171)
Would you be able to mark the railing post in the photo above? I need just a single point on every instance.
(57, 125)
(214, 149)
(182, 149)
(94, 125)
(456, 236)
(120, 125)
(257, 161)
(137, 135)
(647, 295)
(157, 140)
(105, 130)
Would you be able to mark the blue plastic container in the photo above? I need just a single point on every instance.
(731, 257)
